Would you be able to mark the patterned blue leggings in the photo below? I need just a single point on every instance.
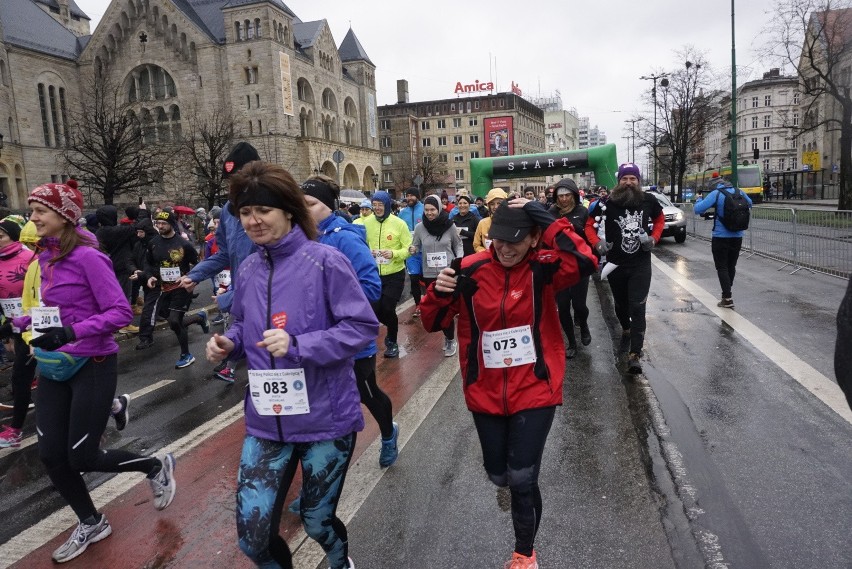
(266, 472)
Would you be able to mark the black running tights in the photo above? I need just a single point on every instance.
(372, 395)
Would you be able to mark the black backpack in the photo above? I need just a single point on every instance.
(737, 211)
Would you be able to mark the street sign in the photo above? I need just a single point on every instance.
(418, 179)
(337, 156)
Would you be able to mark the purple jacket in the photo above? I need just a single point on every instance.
(329, 320)
(84, 287)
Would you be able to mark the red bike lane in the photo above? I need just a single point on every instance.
(198, 528)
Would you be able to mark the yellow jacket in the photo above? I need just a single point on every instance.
(481, 235)
(30, 294)
(393, 234)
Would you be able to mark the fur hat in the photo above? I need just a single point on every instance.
(65, 199)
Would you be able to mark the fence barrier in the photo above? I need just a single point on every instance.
(811, 239)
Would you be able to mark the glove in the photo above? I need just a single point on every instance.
(646, 241)
(465, 285)
(6, 330)
(53, 338)
(601, 247)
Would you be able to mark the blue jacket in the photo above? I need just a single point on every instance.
(234, 247)
(412, 216)
(310, 291)
(351, 240)
(717, 200)
(455, 211)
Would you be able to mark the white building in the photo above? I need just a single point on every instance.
(561, 127)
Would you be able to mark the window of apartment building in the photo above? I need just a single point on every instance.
(793, 142)
(754, 143)
(794, 163)
(459, 175)
(753, 122)
(387, 159)
(767, 121)
(442, 141)
(795, 98)
(754, 102)
(502, 103)
(457, 139)
(452, 107)
(795, 118)
(476, 105)
(424, 125)
(442, 123)
(474, 154)
(468, 106)
(385, 142)
(474, 139)
(388, 177)
(385, 124)
(473, 121)
(458, 157)
(781, 163)
(427, 160)
(767, 100)
(766, 165)
(426, 142)
(457, 123)
(442, 158)
(766, 143)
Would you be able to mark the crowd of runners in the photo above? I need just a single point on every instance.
(504, 278)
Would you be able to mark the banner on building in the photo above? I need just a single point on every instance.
(499, 137)
(371, 114)
(286, 84)
(811, 159)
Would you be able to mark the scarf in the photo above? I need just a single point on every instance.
(441, 223)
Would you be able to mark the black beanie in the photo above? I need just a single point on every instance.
(413, 192)
(321, 191)
(11, 228)
(240, 155)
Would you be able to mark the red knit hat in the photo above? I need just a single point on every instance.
(65, 199)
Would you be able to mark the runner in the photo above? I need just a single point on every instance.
(466, 222)
(512, 355)
(169, 257)
(412, 214)
(321, 193)
(366, 210)
(299, 336)
(481, 241)
(82, 307)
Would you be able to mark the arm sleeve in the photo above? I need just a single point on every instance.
(235, 330)
(591, 231)
(364, 265)
(404, 242)
(706, 203)
(458, 248)
(659, 224)
(114, 310)
(478, 238)
(437, 309)
(573, 258)
(415, 241)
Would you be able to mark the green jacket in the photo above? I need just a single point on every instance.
(392, 234)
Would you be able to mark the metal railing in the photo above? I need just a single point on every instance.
(801, 238)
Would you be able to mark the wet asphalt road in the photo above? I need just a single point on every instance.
(715, 458)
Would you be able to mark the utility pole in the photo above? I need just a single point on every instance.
(633, 134)
(663, 83)
(734, 180)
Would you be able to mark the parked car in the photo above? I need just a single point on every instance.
(675, 218)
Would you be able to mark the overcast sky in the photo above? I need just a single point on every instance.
(592, 52)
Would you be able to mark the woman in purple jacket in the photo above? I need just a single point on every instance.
(300, 317)
(82, 306)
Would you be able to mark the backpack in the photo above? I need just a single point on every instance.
(737, 211)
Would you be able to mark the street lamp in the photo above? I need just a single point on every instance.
(633, 136)
(663, 83)
(375, 182)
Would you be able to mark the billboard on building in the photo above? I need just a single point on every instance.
(812, 159)
(371, 114)
(286, 84)
(499, 137)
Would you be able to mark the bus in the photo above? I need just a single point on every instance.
(749, 180)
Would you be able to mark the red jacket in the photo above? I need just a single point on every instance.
(508, 298)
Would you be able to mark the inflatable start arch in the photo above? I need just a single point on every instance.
(600, 159)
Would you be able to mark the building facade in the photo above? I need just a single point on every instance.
(293, 93)
(561, 127)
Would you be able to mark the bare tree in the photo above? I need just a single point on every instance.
(207, 139)
(815, 38)
(106, 147)
(430, 165)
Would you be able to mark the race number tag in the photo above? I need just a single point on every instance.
(279, 391)
(436, 260)
(12, 307)
(508, 348)
(380, 259)
(223, 279)
(170, 274)
(44, 317)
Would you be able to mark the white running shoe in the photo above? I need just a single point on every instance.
(163, 484)
(82, 536)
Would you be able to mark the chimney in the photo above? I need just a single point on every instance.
(401, 91)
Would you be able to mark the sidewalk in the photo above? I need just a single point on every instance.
(198, 528)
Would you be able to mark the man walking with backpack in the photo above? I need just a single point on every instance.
(732, 207)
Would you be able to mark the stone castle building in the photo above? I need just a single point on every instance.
(294, 93)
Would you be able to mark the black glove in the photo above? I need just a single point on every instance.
(53, 338)
(539, 214)
(465, 285)
(6, 330)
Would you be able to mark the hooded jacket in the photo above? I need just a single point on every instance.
(88, 295)
(390, 232)
(14, 260)
(140, 247)
(501, 298)
(351, 240)
(716, 199)
(116, 240)
(329, 320)
(412, 216)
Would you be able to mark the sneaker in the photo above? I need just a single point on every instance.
(522, 562)
(585, 335)
(10, 437)
(726, 303)
(185, 360)
(144, 344)
(450, 348)
(633, 365)
(389, 451)
(82, 536)
(392, 351)
(226, 374)
(129, 329)
(123, 415)
(219, 319)
(163, 484)
(204, 322)
(570, 352)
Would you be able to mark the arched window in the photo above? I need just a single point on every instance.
(3, 72)
(257, 28)
(238, 28)
(249, 30)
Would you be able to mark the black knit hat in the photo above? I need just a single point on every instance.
(321, 191)
(12, 229)
(413, 192)
(240, 155)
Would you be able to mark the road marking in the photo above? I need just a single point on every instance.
(404, 306)
(364, 474)
(135, 395)
(819, 385)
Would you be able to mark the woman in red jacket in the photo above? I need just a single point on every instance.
(510, 346)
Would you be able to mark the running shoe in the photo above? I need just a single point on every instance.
(204, 322)
(585, 334)
(144, 344)
(219, 319)
(83, 536)
(570, 352)
(10, 437)
(226, 374)
(522, 562)
(726, 303)
(392, 351)
(163, 484)
(633, 365)
(123, 415)
(389, 452)
(450, 348)
(416, 313)
(129, 329)
(185, 360)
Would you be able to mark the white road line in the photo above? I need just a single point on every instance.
(823, 388)
(135, 395)
(405, 306)
(365, 474)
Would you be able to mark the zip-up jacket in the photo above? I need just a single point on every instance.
(449, 242)
(311, 290)
(14, 260)
(716, 200)
(497, 298)
(391, 233)
(412, 216)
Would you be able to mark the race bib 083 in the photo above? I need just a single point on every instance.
(279, 391)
